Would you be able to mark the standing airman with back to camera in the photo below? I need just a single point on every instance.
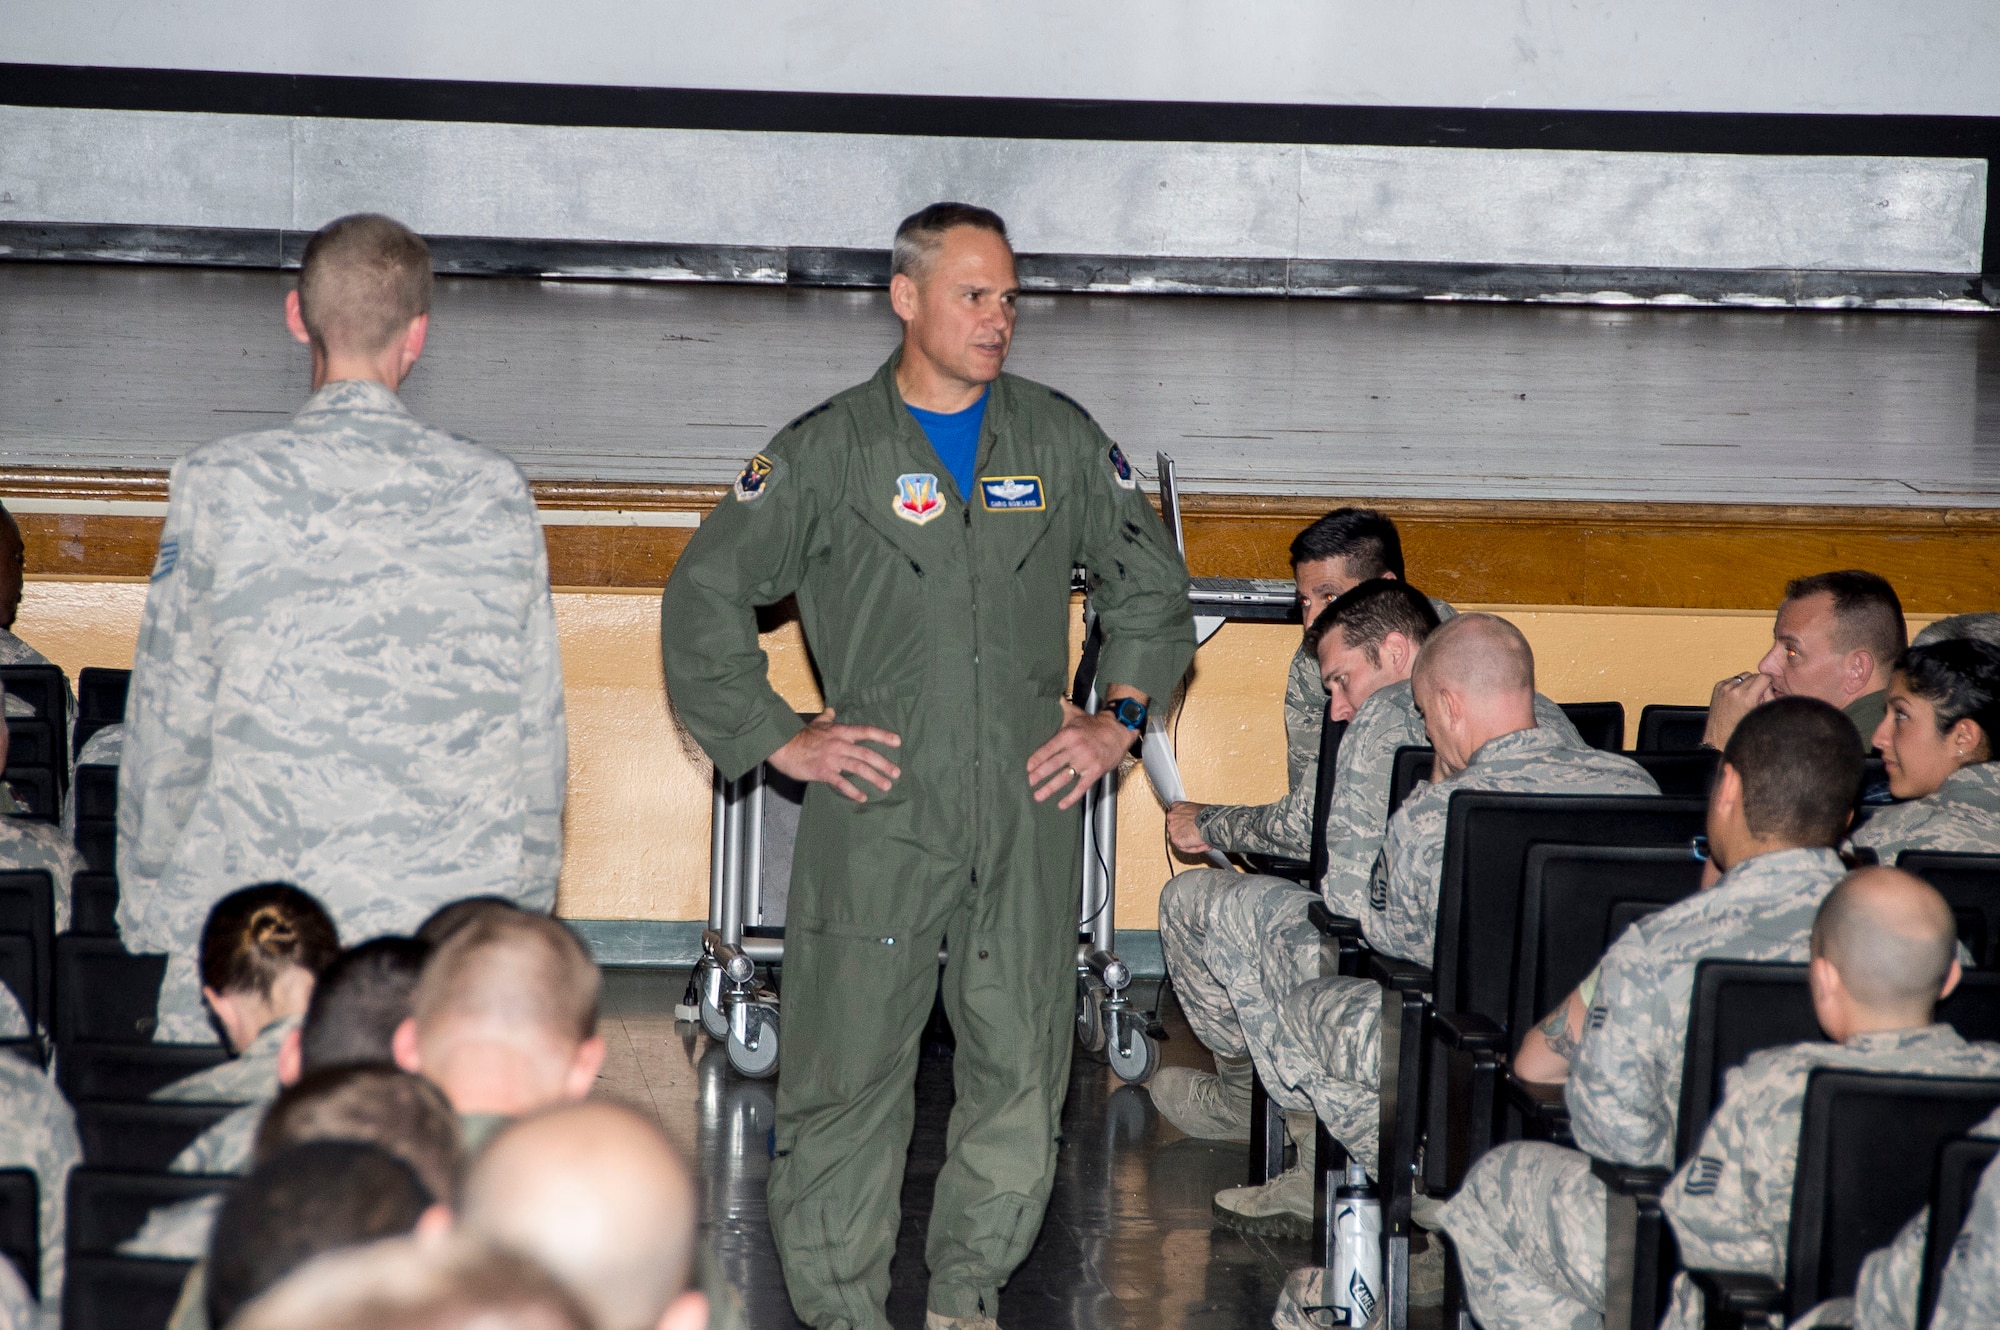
(927, 522)
(347, 675)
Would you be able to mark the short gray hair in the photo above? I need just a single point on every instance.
(1983, 627)
(922, 232)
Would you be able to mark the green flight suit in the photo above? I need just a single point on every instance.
(946, 622)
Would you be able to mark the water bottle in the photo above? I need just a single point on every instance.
(1357, 1257)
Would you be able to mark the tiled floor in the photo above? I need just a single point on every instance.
(1127, 1242)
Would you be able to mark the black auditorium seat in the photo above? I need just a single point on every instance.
(1681, 775)
(1667, 729)
(1961, 1164)
(28, 909)
(1868, 1144)
(1410, 768)
(1601, 724)
(93, 905)
(1970, 884)
(100, 701)
(97, 816)
(101, 1289)
(103, 994)
(21, 1224)
(35, 792)
(141, 1134)
(130, 1071)
(39, 743)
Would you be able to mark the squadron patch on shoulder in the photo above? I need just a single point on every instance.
(917, 498)
(169, 556)
(1121, 470)
(1020, 494)
(754, 480)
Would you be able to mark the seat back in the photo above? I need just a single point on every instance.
(96, 806)
(1599, 724)
(130, 1071)
(1665, 729)
(105, 1291)
(19, 975)
(1488, 835)
(35, 792)
(1410, 768)
(21, 1224)
(1973, 1009)
(1970, 884)
(1868, 1144)
(103, 994)
(93, 905)
(1331, 732)
(39, 743)
(43, 687)
(1737, 1008)
(100, 700)
(1576, 900)
(1961, 1164)
(142, 1135)
(1681, 775)
(28, 909)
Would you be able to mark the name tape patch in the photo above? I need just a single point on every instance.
(1021, 494)
(917, 499)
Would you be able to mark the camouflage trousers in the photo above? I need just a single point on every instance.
(1236, 946)
(1337, 1025)
(1529, 1228)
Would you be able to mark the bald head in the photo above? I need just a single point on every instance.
(595, 1193)
(505, 1016)
(1892, 940)
(1479, 655)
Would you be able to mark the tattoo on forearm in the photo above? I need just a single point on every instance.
(1555, 1030)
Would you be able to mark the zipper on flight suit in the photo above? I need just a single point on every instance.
(978, 747)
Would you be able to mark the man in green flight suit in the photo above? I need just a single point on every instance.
(927, 521)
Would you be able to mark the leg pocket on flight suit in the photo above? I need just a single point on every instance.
(860, 992)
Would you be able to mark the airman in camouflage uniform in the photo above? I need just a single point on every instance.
(17, 1306)
(1332, 1026)
(1283, 827)
(1528, 1223)
(1731, 1205)
(28, 844)
(1962, 817)
(38, 1132)
(249, 1076)
(347, 679)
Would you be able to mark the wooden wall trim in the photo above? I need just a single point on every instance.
(1681, 556)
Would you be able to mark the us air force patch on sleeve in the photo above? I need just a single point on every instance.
(170, 554)
(756, 478)
(917, 498)
(1121, 470)
(1012, 493)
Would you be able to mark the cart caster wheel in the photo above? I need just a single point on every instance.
(759, 1057)
(1137, 1066)
(713, 1018)
(1089, 1019)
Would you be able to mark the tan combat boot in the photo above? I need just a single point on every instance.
(1282, 1207)
(939, 1321)
(1205, 1105)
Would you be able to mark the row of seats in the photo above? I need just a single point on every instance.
(42, 746)
(1535, 888)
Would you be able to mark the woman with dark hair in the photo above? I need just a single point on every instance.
(262, 950)
(1938, 740)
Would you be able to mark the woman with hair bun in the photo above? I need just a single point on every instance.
(262, 950)
(1938, 739)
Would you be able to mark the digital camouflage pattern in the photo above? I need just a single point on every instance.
(28, 844)
(1358, 816)
(1731, 1205)
(1624, 1089)
(38, 1132)
(347, 678)
(177, 1232)
(225, 1147)
(250, 1076)
(1236, 944)
(1528, 1223)
(1334, 1027)
(106, 748)
(1284, 826)
(1401, 919)
(1962, 816)
(17, 1306)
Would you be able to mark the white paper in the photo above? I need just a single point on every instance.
(1156, 753)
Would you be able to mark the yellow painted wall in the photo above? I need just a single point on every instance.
(637, 825)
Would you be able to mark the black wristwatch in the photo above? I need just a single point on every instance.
(1129, 712)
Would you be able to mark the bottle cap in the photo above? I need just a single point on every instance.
(1357, 1176)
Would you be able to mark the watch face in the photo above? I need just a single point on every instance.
(1130, 714)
